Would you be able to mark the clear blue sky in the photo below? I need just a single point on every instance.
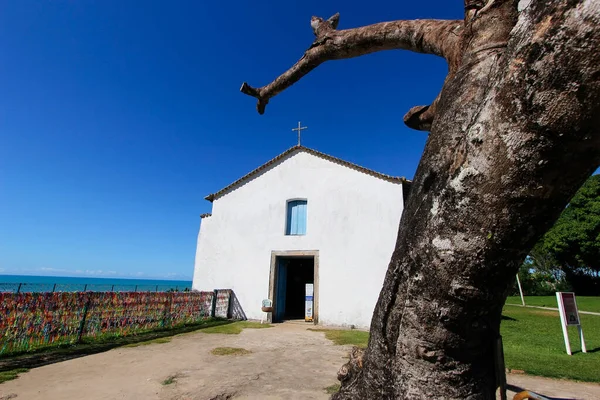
(118, 117)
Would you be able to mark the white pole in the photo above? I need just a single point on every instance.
(583, 349)
(520, 290)
(563, 322)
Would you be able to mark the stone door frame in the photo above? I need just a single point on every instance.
(273, 277)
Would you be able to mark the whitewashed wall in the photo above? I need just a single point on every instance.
(352, 220)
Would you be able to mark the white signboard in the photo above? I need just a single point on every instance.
(308, 307)
(569, 315)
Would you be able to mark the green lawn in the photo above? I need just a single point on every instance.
(230, 351)
(236, 327)
(584, 303)
(342, 337)
(333, 388)
(11, 374)
(153, 341)
(533, 343)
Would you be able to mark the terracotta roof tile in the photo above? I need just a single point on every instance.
(298, 148)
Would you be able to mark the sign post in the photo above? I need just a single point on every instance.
(308, 299)
(567, 307)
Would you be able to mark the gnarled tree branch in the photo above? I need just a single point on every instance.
(437, 37)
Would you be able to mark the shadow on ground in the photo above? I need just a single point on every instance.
(90, 346)
(594, 350)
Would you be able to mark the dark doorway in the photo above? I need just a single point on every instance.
(293, 273)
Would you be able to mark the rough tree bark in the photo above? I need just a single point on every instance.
(513, 135)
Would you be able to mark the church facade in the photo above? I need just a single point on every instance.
(304, 217)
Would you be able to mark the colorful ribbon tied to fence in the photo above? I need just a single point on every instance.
(29, 321)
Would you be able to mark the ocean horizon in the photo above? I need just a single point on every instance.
(39, 283)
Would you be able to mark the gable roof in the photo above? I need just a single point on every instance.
(298, 148)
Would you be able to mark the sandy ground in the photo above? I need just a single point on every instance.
(287, 362)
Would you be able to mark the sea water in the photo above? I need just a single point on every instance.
(32, 283)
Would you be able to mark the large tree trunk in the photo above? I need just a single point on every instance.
(514, 134)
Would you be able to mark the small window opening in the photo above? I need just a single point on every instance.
(296, 217)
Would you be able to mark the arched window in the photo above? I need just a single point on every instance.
(296, 217)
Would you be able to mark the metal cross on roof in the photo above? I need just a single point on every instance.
(299, 129)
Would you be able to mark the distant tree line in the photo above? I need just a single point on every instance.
(567, 257)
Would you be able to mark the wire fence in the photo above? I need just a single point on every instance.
(91, 287)
(31, 321)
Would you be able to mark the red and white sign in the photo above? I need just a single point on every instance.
(569, 308)
(569, 315)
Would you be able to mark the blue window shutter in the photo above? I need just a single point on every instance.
(296, 218)
(301, 218)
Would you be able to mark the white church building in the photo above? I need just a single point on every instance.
(303, 217)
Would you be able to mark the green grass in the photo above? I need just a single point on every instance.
(230, 351)
(236, 327)
(333, 388)
(533, 342)
(11, 374)
(153, 341)
(171, 379)
(584, 303)
(342, 337)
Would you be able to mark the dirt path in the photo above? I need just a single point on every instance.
(552, 388)
(287, 362)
